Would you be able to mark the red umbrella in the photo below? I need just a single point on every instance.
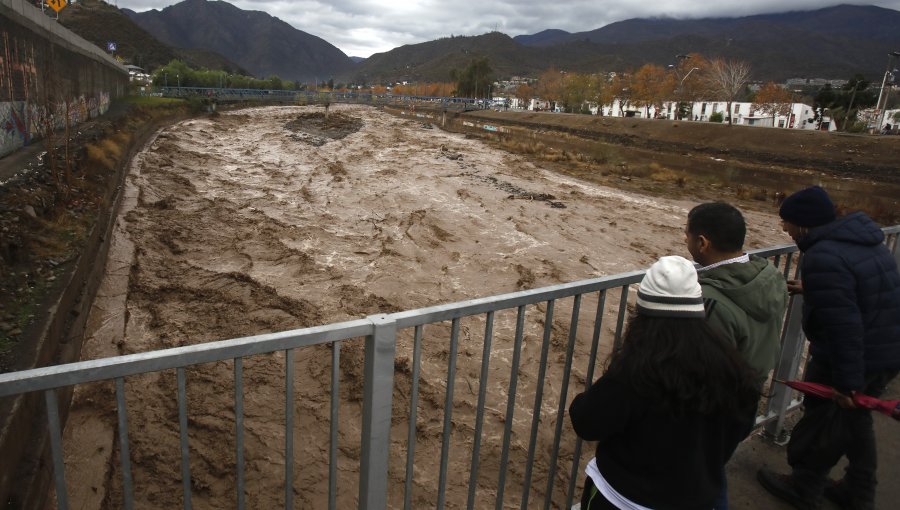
(888, 407)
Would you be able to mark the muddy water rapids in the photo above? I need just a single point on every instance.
(267, 219)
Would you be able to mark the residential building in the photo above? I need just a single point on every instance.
(801, 116)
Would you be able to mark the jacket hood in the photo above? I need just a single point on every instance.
(854, 228)
(748, 285)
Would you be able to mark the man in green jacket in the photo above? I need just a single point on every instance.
(745, 296)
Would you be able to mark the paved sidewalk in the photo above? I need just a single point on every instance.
(744, 491)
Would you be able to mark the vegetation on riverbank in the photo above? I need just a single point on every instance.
(46, 220)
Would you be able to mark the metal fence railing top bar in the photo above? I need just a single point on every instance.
(131, 364)
(477, 306)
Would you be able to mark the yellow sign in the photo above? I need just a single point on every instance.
(57, 5)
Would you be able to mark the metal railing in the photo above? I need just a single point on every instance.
(523, 445)
(305, 97)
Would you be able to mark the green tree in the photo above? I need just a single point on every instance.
(475, 80)
(577, 89)
(177, 72)
(844, 103)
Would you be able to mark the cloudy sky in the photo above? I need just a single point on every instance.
(363, 27)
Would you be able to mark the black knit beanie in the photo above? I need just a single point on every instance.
(808, 207)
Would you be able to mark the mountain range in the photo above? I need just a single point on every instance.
(263, 44)
(835, 42)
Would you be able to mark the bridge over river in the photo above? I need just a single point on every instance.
(306, 97)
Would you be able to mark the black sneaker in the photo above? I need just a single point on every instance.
(783, 488)
(838, 493)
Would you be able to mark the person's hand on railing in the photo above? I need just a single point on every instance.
(795, 287)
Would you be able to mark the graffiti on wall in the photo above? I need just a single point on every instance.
(22, 122)
(25, 115)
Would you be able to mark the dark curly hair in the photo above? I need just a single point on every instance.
(685, 365)
(721, 223)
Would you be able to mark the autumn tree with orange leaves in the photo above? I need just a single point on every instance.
(650, 86)
(551, 85)
(773, 99)
(525, 93)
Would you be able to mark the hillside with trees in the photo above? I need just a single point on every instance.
(101, 23)
(262, 44)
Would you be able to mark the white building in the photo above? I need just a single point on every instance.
(801, 116)
(892, 117)
(137, 74)
(540, 105)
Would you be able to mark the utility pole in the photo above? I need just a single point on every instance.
(850, 106)
(879, 106)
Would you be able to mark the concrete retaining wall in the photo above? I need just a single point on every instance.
(48, 76)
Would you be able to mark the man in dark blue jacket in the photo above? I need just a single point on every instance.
(851, 316)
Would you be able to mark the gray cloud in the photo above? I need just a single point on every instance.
(363, 27)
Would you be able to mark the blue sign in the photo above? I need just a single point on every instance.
(110, 46)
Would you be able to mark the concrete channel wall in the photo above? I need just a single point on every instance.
(49, 76)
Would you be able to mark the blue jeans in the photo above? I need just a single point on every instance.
(722, 500)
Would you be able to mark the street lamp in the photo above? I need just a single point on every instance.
(878, 106)
(676, 67)
(680, 90)
(681, 85)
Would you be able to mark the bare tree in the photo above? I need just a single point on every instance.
(726, 80)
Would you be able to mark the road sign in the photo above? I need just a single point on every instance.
(110, 46)
(57, 5)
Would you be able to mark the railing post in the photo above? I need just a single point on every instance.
(376, 418)
(786, 369)
(895, 246)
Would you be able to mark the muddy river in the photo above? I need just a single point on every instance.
(271, 219)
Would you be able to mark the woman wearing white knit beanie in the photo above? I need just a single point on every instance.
(668, 412)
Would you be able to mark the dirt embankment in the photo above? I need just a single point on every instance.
(56, 209)
(747, 163)
(844, 154)
(245, 223)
